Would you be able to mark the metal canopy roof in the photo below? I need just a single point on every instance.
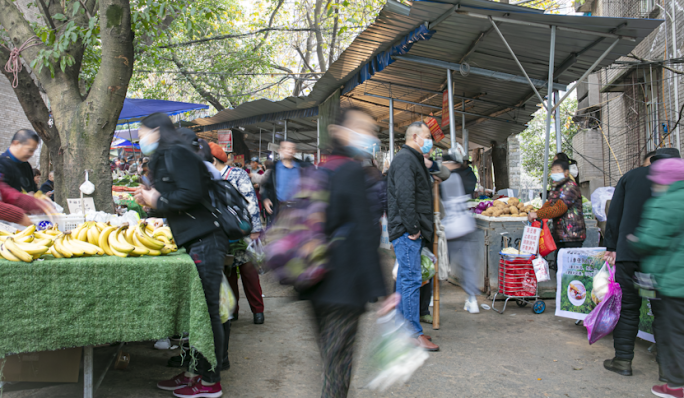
(463, 34)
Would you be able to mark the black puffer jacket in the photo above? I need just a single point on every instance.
(409, 196)
(18, 175)
(182, 194)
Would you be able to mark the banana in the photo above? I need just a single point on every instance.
(103, 242)
(116, 252)
(101, 226)
(51, 232)
(39, 242)
(61, 249)
(26, 232)
(93, 235)
(149, 228)
(24, 239)
(163, 231)
(41, 235)
(6, 254)
(54, 252)
(118, 242)
(4, 233)
(17, 252)
(86, 247)
(82, 233)
(143, 250)
(130, 230)
(68, 243)
(166, 250)
(32, 248)
(147, 240)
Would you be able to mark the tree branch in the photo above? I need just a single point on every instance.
(202, 92)
(319, 37)
(46, 14)
(336, 25)
(304, 59)
(270, 24)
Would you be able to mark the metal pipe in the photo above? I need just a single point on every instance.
(285, 132)
(450, 94)
(676, 75)
(464, 132)
(88, 371)
(584, 76)
(273, 140)
(477, 71)
(518, 61)
(439, 107)
(559, 140)
(552, 54)
(541, 25)
(656, 119)
(391, 129)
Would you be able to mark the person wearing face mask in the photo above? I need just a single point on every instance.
(354, 276)
(179, 197)
(564, 206)
(410, 216)
(631, 193)
(660, 240)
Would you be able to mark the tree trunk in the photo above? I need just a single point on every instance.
(44, 165)
(318, 17)
(336, 25)
(500, 162)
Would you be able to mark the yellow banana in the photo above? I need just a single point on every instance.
(163, 231)
(101, 226)
(26, 232)
(32, 248)
(140, 249)
(54, 252)
(93, 235)
(51, 232)
(17, 252)
(6, 254)
(82, 233)
(149, 228)
(130, 230)
(25, 239)
(68, 243)
(103, 242)
(116, 252)
(39, 242)
(147, 240)
(5, 233)
(59, 247)
(87, 248)
(118, 242)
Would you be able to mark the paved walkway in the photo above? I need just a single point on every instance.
(518, 354)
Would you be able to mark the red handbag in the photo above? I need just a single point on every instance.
(546, 243)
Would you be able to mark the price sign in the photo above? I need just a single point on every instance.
(239, 159)
(437, 134)
(225, 140)
(76, 205)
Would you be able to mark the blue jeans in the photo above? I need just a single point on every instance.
(409, 279)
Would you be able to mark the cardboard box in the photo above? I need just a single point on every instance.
(61, 366)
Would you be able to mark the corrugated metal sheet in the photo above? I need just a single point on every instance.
(454, 36)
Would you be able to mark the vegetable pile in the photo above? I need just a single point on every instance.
(514, 208)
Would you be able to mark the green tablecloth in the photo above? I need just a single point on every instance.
(60, 303)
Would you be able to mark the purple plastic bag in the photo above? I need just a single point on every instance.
(602, 319)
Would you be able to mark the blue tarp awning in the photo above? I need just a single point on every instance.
(119, 142)
(135, 109)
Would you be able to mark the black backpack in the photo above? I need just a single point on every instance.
(227, 204)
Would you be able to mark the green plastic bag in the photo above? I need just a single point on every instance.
(227, 301)
(427, 268)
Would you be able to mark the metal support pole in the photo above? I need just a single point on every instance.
(559, 140)
(464, 132)
(676, 75)
(584, 76)
(318, 140)
(518, 62)
(273, 140)
(391, 129)
(450, 93)
(88, 371)
(285, 131)
(552, 53)
(259, 144)
(435, 279)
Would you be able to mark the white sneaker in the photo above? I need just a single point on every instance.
(164, 344)
(471, 305)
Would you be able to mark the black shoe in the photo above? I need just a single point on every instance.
(177, 361)
(259, 318)
(235, 316)
(620, 366)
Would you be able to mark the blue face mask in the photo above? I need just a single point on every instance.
(360, 143)
(557, 176)
(427, 146)
(148, 148)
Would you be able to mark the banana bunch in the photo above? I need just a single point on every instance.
(23, 246)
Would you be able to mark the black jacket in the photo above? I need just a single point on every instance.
(47, 186)
(624, 214)
(409, 196)
(18, 175)
(354, 276)
(468, 178)
(268, 185)
(182, 194)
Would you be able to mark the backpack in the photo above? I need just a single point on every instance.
(227, 204)
(297, 247)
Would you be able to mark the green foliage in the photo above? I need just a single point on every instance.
(532, 141)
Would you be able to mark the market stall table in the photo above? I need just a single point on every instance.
(84, 302)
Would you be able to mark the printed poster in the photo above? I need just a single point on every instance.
(576, 270)
(445, 108)
(225, 140)
(239, 159)
(437, 134)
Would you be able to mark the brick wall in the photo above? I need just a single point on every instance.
(13, 117)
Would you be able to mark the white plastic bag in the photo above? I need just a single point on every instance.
(255, 250)
(226, 301)
(600, 285)
(541, 269)
(598, 201)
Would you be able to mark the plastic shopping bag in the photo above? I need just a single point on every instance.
(255, 251)
(394, 357)
(226, 301)
(541, 269)
(602, 319)
(546, 243)
(600, 284)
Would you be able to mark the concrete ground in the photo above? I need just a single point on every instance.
(517, 354)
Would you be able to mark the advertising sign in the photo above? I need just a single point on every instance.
(225, 139)
(437, 134)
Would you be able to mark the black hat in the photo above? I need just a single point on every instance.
(665, 153)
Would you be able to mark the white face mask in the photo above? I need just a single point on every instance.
(557, 176)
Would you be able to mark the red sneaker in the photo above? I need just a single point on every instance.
(199, 390)
(177, 382)
(667, 392)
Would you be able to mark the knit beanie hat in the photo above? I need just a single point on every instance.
(667, 171)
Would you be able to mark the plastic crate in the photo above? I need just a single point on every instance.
(65, 222)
